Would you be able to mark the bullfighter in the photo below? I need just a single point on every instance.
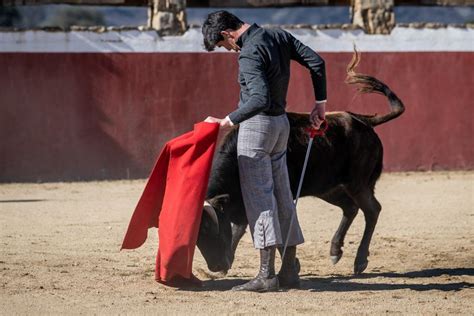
(264, 73)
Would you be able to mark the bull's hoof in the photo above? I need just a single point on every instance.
(335, 259)
(360, 267)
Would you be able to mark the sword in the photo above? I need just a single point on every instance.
(312, 134)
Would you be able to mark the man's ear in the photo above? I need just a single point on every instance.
(226, 34)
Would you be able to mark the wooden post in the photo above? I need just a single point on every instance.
(167, 16)
(374, 16)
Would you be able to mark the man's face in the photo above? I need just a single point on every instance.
(228, 42)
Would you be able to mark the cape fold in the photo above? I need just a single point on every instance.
(172, 200)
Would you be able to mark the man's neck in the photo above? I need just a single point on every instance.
(241, 30)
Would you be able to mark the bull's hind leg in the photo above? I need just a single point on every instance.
(349, 211)
(371, 208)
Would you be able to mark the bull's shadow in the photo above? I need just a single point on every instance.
(342, 283)
(339, 283)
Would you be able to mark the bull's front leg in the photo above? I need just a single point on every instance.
(237, 232)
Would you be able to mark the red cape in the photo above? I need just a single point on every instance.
(173, 201)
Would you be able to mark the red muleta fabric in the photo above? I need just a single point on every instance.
(173, 201)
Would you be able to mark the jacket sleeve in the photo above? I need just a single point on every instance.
(308, 58)
(252, 67)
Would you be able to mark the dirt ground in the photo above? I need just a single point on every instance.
(59, 253)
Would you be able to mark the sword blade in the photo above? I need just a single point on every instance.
(298, 192)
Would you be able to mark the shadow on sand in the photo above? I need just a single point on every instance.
(22, 201)
(344, 283)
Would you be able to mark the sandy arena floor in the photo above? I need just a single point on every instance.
(59, 253)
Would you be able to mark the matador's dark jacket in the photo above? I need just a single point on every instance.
(264, 71)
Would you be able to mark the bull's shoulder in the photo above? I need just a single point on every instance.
(228, 145)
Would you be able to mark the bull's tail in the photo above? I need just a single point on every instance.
(368, 84)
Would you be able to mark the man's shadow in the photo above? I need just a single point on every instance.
(343, 283)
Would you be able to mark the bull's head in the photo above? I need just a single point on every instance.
(215, 235)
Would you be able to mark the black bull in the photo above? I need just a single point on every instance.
(343, 168)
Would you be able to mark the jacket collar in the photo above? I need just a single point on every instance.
(248, 34)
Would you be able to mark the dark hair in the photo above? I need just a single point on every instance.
(215, 23)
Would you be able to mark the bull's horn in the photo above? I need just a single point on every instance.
(211, 212)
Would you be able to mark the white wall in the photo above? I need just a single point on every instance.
(333, 40)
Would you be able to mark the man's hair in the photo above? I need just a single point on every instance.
(215, 23)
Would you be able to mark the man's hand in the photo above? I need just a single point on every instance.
(318, 114)
(225, 122)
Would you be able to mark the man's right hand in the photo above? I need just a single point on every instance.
(318, 114)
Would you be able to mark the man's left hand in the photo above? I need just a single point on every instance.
(318, 114)
(225, 122)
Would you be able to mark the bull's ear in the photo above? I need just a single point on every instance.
(223, 198)
(220, 200)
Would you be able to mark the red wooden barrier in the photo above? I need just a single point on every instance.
(80, 116)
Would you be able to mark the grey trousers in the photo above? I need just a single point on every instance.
(261, 151)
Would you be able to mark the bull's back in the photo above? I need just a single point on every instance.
(350, 153)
